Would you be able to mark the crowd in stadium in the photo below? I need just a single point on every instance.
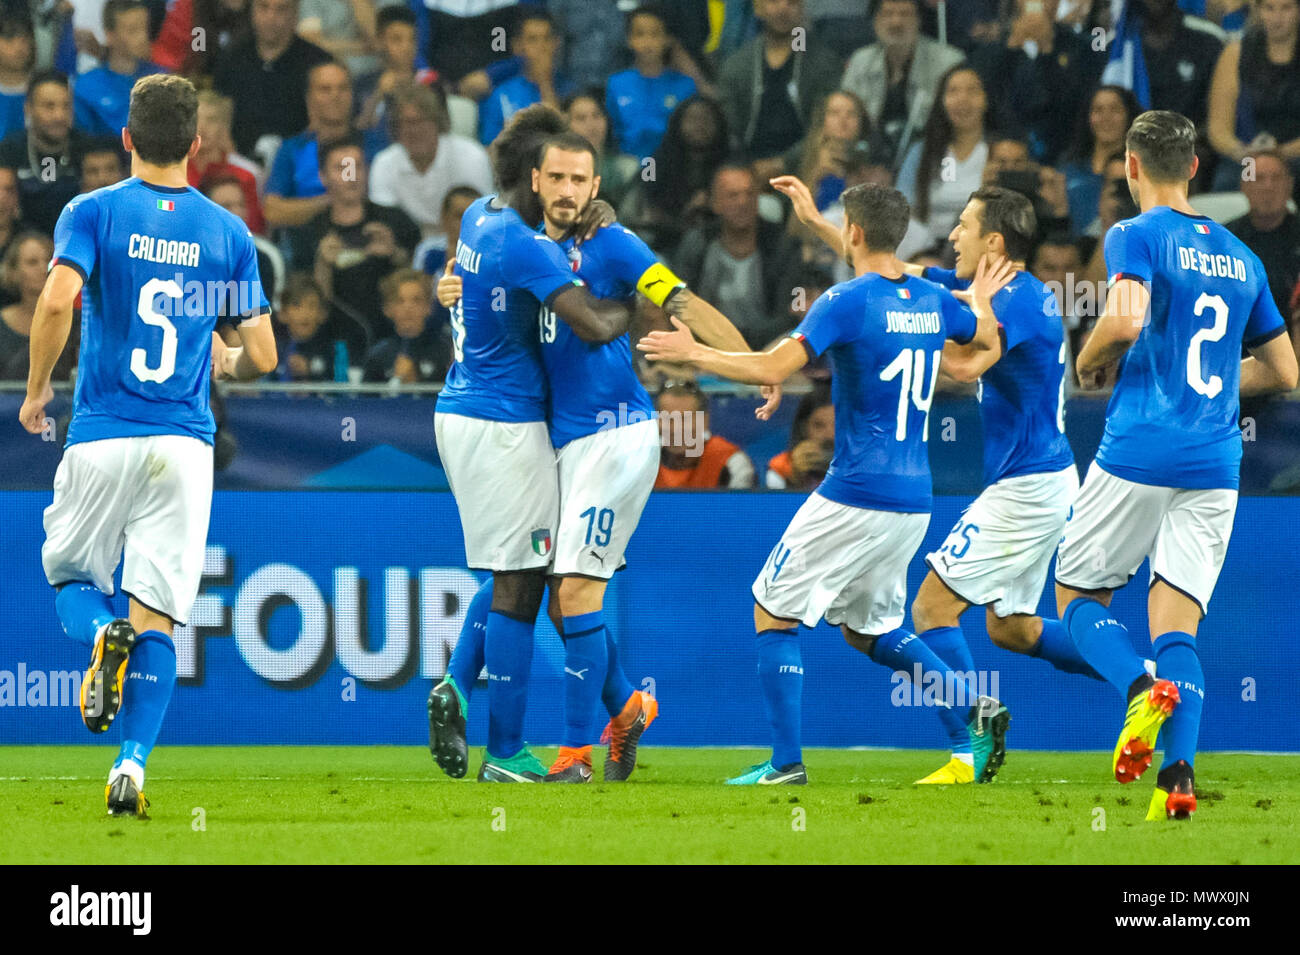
(350, 136)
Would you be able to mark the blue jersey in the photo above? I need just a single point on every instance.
(506, 270)
(162, 266)
(1172, 419)
(595, 387)
(1022, 396)
(885, 339)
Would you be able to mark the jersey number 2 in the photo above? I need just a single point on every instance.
(1211, 387)
(151, 316)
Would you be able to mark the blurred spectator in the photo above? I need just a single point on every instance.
(947, 165)
(1009, 166)
(265, 73)
(46, 156)
(217, 158)
(1110, 113)
(23, 275)
(639, 101)
(1058, 264)
(803, 465)
(345, 29)
(1040, 72)
(460, 39)
(771, 86)
(102, 96)
(17, 54)
(351, 246)
(1270, 230)
(1255, 95)
(692, 457)
(1114, 204)
(230, 192)
(1179, 52)
(220, 24)
(839, 124)
(591, 34)
(102, 163)
(840, 26)
(535, 42)
(587, 117)
(294, 191)
(1231, 15)
(673, 193)
(807, 282)
(308, 351)
(398, 46)
(419, 352)
(736, 261)
(415, 173)
(897, 77)
(11, 224)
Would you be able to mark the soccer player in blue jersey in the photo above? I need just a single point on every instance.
(844, 556)
(999, 553)
(490, 422)
(1185, 296)
(158, 267)
(606, 434)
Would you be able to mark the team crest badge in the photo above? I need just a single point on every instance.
(542, 541)
(575, 259)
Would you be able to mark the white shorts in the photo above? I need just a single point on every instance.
(845, 564)
(605, 480)
(998, 554)
(1116, 524)
(502, 474)
(144, 502)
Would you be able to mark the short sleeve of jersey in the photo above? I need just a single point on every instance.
(1265, 321)
(1128, 255)
(945, 277)
(74, 236)
(628, 255)
(280, 180)
(958, 320)
(250, 299)
(538, 265)
(823, 326)
(1009, 304)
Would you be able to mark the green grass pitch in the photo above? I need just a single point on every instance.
(390, 804)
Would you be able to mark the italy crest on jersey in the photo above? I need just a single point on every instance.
(542, 541)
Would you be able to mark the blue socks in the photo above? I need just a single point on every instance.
(949, 645)
(585, 658)
(83, 609)
(780, 673)
(509, 655)
(617, 690)
(1103, 642)
(150, 676)
(1177, 660)
(904, 652)
(1056, 647)
(467, 659)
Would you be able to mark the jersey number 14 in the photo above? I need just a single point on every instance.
(910, 364)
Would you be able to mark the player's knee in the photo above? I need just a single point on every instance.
(922, 614)
(518, 593)
(861, 642)
(579, 595)
(1017, 633)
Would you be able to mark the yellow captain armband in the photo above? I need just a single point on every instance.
(658, 282)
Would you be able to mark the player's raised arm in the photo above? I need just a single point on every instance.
(794, 188)
(51, 325)
(770, 367)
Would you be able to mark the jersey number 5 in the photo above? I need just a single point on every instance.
(910, 363)
(1211, 387)
(151, 316)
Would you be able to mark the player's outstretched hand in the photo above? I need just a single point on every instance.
(449, 286)
(772, 400)
(800, 197)
(991, 277)
(595, 217)
(32, 413)
(677, 345)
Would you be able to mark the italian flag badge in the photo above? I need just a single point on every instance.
(166, 205)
